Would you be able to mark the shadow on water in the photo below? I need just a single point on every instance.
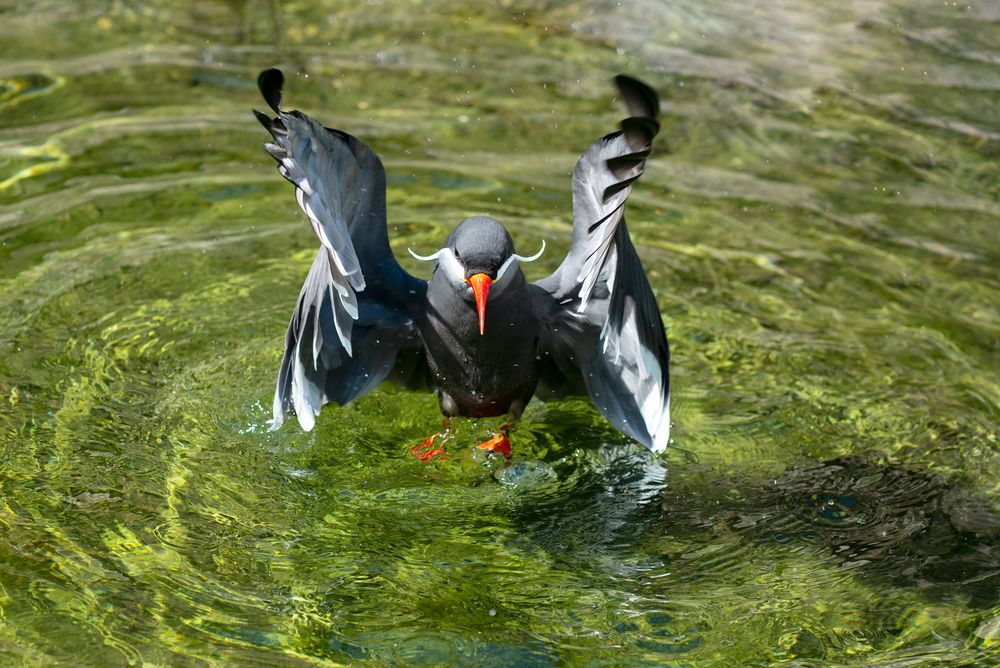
(848, 534)
(890, 523)
(883, 521)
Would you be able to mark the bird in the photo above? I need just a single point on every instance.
(478, 332)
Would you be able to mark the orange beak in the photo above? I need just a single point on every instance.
(480, 288)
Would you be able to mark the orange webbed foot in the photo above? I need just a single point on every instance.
(427, 451)
(499, 444)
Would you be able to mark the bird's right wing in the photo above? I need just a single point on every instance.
(354, 313)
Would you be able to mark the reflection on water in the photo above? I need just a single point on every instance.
(819, 224)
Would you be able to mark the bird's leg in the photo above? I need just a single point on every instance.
(499, 444)
(426, 451)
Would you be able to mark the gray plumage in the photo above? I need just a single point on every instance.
(354, 313)
(599, 313)
(592, 326)
(480, 375)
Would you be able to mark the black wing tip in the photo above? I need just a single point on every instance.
(264, 119)
(640, 98)
(270, 82)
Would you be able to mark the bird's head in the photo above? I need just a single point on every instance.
(478, 261)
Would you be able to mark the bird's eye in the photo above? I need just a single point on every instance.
(458, 256)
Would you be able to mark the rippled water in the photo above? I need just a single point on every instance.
(820, 225)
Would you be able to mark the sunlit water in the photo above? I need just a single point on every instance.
(819, 224)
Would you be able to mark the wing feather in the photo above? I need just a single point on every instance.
(602, 315)
(354, 312)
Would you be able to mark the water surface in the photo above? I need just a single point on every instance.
(819, 225)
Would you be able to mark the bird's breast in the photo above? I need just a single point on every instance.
(483, 373)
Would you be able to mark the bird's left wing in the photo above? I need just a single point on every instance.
(603, 324)
(355, 312)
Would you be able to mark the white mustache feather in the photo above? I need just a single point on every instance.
(446, 259)
(519, 258)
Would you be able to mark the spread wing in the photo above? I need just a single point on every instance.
(354, 315)
(604, 330)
